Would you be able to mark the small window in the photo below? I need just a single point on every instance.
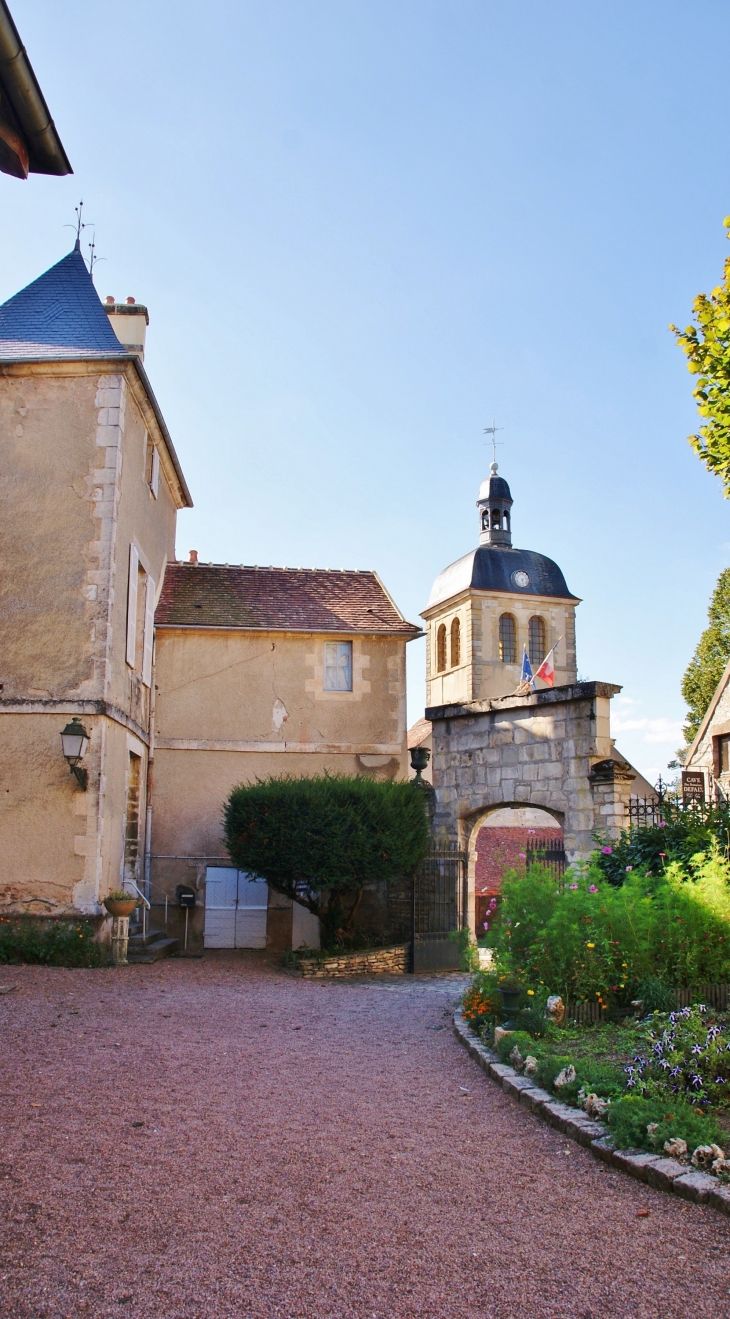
(455, 643)
(507, 639)
(338, 666)
(724, 748)
(441, 648)
(536, 639)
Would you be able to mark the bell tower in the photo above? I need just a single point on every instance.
(494, 504)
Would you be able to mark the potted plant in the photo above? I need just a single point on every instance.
(120, 903)
(511, 990)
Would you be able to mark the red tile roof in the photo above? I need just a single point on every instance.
(277, 600)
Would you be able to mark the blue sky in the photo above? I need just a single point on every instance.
(364, 229)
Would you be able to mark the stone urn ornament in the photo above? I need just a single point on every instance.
(120, 903)
(511, 991)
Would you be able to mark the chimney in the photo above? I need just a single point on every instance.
(129, 321)
(193, 556)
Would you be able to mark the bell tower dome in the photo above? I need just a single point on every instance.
(494, 504)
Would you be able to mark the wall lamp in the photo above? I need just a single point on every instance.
(75, 742)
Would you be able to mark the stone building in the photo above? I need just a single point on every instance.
(90, 492)
(508, 766)
(709, 754)
(216, 674)
(264, 671)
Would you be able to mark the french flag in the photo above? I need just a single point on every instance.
(546, 670)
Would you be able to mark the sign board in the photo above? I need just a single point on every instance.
(693, 786)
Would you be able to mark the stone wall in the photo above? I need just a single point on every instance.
(550, 749)
(381, 961)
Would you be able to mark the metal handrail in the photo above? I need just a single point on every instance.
(146, 906)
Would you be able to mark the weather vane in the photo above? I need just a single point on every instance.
(492, 430)
(79, 226)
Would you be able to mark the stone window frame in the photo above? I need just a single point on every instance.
(455, 642)
(541, 647)
(337, 665)
(502, 639)
(441, 648)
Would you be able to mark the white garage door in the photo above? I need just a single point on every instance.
(235, 909)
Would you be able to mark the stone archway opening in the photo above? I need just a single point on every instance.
(500, 838)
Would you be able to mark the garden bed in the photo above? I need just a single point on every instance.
(663, 1173)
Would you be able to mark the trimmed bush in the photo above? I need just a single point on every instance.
(320, 840)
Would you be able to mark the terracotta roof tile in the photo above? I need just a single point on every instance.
(277, 599)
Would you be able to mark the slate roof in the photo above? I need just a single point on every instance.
(278, 600)
(492, 568)
(60, 315)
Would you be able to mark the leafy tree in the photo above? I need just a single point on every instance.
(707, 347)
(320, 840)
(708, 663)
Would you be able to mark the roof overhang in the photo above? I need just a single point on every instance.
(29, 142)
(540, 601)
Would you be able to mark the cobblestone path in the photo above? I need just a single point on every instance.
(198, 1140)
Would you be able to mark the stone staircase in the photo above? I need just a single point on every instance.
(156, 946)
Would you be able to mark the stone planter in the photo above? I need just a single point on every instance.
(120, 906)
(510, 1003)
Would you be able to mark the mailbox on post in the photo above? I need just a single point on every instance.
(186, 898)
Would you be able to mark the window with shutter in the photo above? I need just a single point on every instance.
(441, 648)
(455, 643)
(536, 639)
(132, 606)
(149, 632)
(507, 639)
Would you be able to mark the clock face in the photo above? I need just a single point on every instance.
(521, 578)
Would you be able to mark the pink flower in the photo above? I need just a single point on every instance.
(521, 854)
(486, 925)
(592, 888)
(572, 886)
(530, 831)
(662, 824)
(628, 868)
(607, 851)
(662, 854)
(492, 904)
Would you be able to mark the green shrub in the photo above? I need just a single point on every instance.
(56, 943)
(548, 1068)
(629, 1118)
(655, 995)
(594, 1078)
(585, 939)
(682, 837)
(320, 840)
(531, 1020)
(518, 1038)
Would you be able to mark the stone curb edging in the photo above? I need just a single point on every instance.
(656, 1170)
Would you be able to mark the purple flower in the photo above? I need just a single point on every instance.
(676, 1071)
(628, 868)
(719, 1080)
(697, 1048)
(521, 854)
(662, 824)
(696, 1081)
(572, 886)
(592, 888)
(486, 925)
(607, 851)
(712, 1033)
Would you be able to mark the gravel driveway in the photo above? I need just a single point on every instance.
(304, 1150)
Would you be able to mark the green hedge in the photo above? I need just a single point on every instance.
(53, 943)
(320, 840)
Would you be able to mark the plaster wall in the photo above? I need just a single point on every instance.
(703, 755)
(67, 511)
(235, 706)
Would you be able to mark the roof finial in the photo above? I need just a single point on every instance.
(78, 226)
(492, 430)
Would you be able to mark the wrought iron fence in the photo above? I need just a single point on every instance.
(438, 910)
(549, 852)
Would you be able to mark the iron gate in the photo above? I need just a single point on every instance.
(549, 852)
(438, 910)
